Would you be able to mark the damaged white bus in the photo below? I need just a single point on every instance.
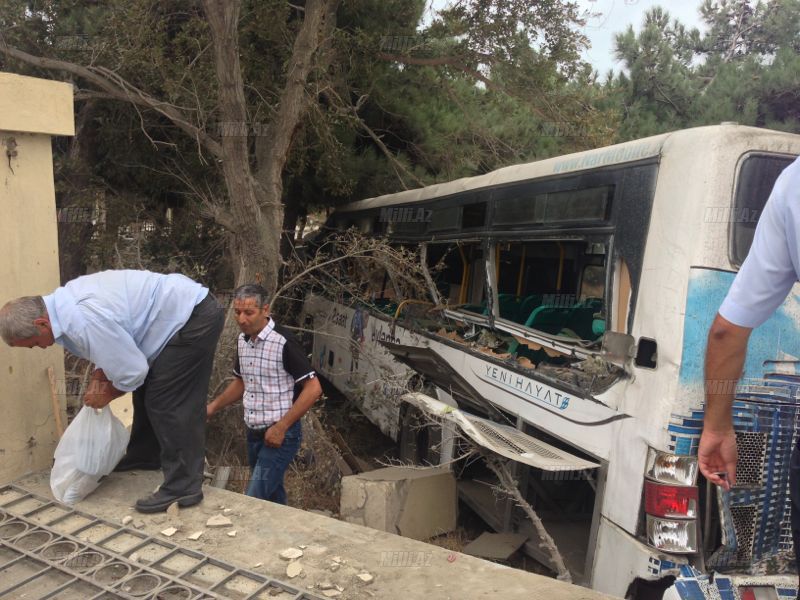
(569, 305)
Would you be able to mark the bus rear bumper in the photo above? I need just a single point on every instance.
(624, 563)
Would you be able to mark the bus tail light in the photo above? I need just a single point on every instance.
(748, 592)
(671, 468)
(672, 535)
(670, 500)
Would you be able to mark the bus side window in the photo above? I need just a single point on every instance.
(458, 270)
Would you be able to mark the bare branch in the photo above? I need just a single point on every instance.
(117, 87)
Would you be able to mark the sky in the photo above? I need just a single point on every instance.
(614, 16)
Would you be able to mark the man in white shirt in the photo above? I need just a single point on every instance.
(767, 275)
(146, 333)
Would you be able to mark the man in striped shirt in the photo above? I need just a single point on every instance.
(273, 377)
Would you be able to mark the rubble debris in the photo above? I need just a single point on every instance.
(195, 536)
(413, 502)
(232, 533)
(495, 546)
(173, 510)
(365, 577)
(138, 523)
(337, 559)
(227, 511)
(169, 531)
(334, 567)
(291, 553)
(126, 519)
(293, 569)
(331, 593)
(219, 521)
(325, 585)
(255, 566)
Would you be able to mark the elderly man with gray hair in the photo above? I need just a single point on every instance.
(146, 333)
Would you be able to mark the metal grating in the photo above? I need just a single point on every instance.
(502, 439)
(508, 439)
(752, 448)
(744, 523)
(51, 551)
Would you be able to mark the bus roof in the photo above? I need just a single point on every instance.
(626, 152)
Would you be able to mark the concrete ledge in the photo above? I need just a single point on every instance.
(32, 105)
(402, 568)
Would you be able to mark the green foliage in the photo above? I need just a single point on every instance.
(744, 68)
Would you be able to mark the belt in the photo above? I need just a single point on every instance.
(258, 430)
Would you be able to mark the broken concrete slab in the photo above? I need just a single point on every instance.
(414, 502)
(194, 536)
(219, 521)
(403, 568)
(293, 569)
(291, 554)
(495, 546)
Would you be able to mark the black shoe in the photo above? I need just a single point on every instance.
(137, 464)
(159, 502)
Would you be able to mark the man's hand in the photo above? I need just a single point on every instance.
(273, 437)
(100, 391)
(717, 454)
(211, 408)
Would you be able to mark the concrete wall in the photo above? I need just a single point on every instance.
(31, 111)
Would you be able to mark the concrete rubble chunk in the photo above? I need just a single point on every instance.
(293, 569)
(138, 523)
(227, 511)
(365, 577)
(173, 510)
(325, 585)
(495, 546)
(169, 531)
(331, 593)
(126, 519)
(232, 533)
(219, 521)
(413, 502)
(334, 567)
(336, 559)
(195, 536)
(255, 566)
(291, 553)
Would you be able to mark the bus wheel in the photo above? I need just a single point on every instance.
(420, 439)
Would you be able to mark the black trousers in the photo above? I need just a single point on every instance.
(169, 409)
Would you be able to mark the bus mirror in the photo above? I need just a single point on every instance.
(618, 348)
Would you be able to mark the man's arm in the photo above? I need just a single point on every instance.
(727, 347)
(310, 393)
(229, 395)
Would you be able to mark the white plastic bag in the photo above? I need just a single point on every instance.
(90, 448)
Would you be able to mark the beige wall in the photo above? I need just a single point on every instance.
(31, 110)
